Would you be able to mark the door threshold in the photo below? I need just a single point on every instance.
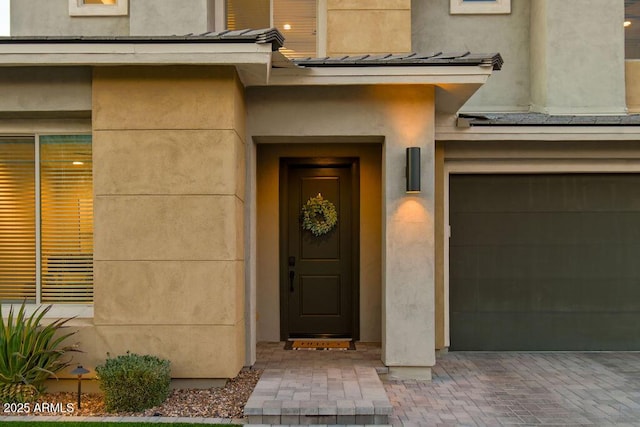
(319, 339)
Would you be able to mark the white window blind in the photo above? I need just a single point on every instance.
(66, 197)
(46, 219)
(17, 220)
(295, 19)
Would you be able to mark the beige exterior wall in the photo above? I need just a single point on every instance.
(554, 63)
(45, 90)
(440, 235)
(401, 116)
(51, 18)
(577, 64)
(145, 18)
(368, 26)
(268, 233)
(632, 83)
(434, 29)
(169, 190)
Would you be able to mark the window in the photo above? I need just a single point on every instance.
(98, 7)
(46, 219)
(632, 29)
(295, 19)
(480, 6)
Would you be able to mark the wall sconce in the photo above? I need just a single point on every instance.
(79, 371)
(413, 169)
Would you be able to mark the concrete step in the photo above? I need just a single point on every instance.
(319, 396)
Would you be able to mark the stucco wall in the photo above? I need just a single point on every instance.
(169, 201)
(435, 30)
(51, 18)
(167, 17)
(368, 26)
(403, 117)
(45, 89)
(561, 57)
(632, 80)
(578, 65)
(268, 237)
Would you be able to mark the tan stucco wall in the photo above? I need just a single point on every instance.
(440, 235)
(169, 187)
(268, 161)
(402, 116)
(632, 80)
(368, 26)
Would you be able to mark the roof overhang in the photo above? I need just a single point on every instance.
(254, 53)
(253, 61)
(449, 128)
(454, 84)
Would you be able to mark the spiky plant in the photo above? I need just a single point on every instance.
(30, 353)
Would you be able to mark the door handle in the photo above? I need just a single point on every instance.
(292, 275)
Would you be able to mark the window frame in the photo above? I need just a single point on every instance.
(58, 310)
(462, 7)
(78, 8)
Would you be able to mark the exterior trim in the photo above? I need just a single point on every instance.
(80, 311)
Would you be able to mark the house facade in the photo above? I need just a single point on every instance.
(157, 159)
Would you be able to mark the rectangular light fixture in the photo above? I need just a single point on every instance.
(413, 169)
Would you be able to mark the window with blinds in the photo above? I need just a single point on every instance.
(66, 199)
(296, 19)
(46, 219)
(17, 220)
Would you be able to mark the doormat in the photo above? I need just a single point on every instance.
(319, 345)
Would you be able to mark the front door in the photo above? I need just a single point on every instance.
(319, 271)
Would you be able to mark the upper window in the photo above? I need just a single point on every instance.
(98, 7)
(480, 6)
(295, 19)
(632, 29)
(46, 219)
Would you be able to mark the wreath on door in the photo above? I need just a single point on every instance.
(319, 216)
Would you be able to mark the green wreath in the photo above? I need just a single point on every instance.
(319, 216)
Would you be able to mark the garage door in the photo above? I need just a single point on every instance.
(545, 262)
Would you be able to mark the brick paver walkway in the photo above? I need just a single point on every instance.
(318, 387)
(493, 389)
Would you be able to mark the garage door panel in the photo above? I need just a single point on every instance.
(547, 295)
(548, 332)
(571, 193)
(543, 262)
(562, 272)
(544, 228)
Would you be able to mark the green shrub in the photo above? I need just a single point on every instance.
(132, 382)
(30, 353)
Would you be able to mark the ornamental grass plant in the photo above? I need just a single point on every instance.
(132, 382)
(30, 353)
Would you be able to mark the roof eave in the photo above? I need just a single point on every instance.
(454, 84)
(252, 60)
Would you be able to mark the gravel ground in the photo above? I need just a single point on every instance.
(225, 402)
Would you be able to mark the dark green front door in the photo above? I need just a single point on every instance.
(319, 273)
(545, 262)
